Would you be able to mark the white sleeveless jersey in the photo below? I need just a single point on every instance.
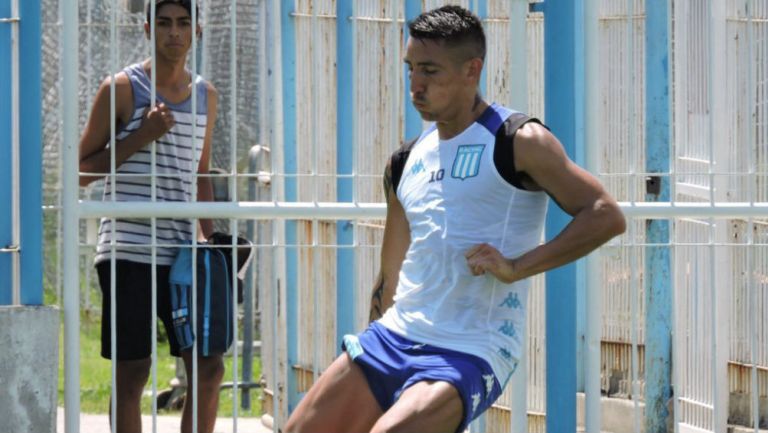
(454, 198)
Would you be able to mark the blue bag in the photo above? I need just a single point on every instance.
(214, 300)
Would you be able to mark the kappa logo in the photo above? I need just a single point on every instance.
(418, 167)
(508, 328)
(467, 161)
(511, 301)
(488, 378)
(475, 401)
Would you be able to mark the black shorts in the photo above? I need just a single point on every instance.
(133, 287)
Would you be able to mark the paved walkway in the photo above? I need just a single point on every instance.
(165, 424)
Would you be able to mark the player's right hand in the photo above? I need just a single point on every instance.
(157, 121)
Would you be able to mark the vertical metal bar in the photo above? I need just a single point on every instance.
(276, 137)
(153, 198)
(345, 162)
(60, 199)
(413, 121)
(395, 65)
(751, 288)
(233, 145)
(70, 215)
(561, 105)
(518, 83)
(315, 46)
(634, 290)
(290, 167)
(658, 280)
(15, 159)
(113, 225)
(518, 68)
(674, 27)
(195, 224)
(719, 261)
(30, 276)
(593, 148)
(481, 10)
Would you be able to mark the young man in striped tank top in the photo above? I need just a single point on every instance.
(182, 136)
(466, 203)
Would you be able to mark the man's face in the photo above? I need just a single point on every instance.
(173, 31)
(440, 79)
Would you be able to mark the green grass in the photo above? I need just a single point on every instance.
(96, 374)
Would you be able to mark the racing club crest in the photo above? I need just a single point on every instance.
(467, 161)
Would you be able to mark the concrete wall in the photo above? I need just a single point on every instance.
(29, 354)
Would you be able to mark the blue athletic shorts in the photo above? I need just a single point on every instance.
(391, 363)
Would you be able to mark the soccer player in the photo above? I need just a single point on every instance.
(466, 205)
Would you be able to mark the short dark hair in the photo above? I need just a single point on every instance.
(454, 25)
(186, 4)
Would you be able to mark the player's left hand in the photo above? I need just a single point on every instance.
(484, 258)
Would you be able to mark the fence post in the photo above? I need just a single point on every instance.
(561, 106)
(20, 144)
(346, 302)
(658, 275)
(413, 121)
(290, 167)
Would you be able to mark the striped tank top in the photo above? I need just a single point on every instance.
(177, 157)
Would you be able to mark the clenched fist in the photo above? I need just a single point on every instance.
(157, 121)
(484, 258)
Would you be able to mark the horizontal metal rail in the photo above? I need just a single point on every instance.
(343, 211)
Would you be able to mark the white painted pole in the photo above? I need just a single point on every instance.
(113, 238)
(677, 388)
(594, 294)
(337, 211)
(720, 262)
(69, 96)
(315, 46)
(195, 226)
(275, 89)
(233, 197)
(15, 159)
(153, 199)
(751, 156)
(633, 159)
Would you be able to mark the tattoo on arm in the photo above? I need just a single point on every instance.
(377, 300)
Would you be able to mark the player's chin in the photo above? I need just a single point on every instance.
(428, 116)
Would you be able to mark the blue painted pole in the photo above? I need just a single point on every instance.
(413, 121)
(345, 143)
(6, 236)
(560, 114)
(658, 281)
(288, 37)
(30, 158)
(30, 46)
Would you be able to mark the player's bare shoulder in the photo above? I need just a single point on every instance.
(536, 148)
(123, 96)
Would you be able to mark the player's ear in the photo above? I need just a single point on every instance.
(147, 30)
(475, 68)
